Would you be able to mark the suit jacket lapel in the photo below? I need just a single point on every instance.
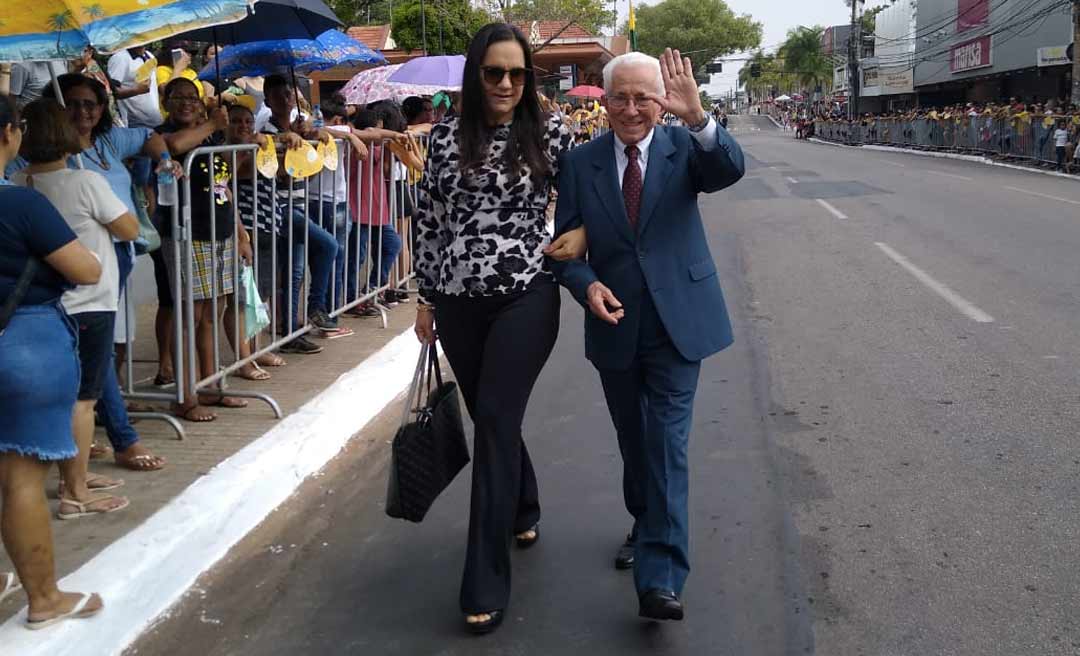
(607, 185)
(661, 150)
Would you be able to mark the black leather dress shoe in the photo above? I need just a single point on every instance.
(624, 558)
(661, 605)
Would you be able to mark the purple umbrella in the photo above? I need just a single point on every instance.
(443, 71)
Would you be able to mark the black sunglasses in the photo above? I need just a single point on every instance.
(494, 75)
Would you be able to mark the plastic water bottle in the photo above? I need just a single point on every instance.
(318, 118)
(166, 184)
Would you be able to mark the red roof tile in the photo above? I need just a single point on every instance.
(548, 29)
(372, 36)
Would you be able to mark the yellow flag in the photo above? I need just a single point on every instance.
(632, 22)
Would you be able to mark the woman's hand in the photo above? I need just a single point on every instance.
(571, 245)
(244, 249)
(425, 324)
(171, 166)
(292, 140)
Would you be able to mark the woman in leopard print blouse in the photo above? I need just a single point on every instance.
(481, 242)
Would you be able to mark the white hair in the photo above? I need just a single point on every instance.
(633, 59)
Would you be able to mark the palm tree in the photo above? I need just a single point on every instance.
(94, 12)
(60, 22)
(804, 58)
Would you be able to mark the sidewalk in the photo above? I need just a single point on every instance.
(206, 445)
(942, 154)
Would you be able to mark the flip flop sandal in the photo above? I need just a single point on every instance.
(144, 463)
(275, 360)
(83, 511)
(162, 381)
(255, 374)
(98, 451)
(93, 483)
(11, 586)
(225, 401)
(189, 414)
(77, 612)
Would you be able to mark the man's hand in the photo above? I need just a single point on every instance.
(244, 249)
(683, 98)
(571, 245)
(220, 118)
(291, 140)
(259, 140)
(604, 305)
(324, 136)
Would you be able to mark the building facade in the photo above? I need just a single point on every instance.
(992, 50)
(888, 78)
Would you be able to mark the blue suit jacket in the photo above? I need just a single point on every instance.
(668, 258)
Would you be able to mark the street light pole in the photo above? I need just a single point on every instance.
(423, 26)
(853, 63)
(1076, 60)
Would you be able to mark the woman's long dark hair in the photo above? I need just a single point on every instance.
(69, 81)
(8, 113)
(527, 143)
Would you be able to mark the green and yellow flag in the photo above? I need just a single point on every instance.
(631, 25)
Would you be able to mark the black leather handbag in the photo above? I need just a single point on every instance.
(430, 448)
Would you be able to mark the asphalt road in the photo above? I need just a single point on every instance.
(884, 464)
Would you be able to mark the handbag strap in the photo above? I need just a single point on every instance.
(22, 286)
(434, 366)
(414, 387)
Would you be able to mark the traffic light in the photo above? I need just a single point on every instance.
(755, 70)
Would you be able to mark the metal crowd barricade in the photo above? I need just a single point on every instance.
(128, 389)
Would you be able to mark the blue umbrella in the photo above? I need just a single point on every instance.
(255, 58)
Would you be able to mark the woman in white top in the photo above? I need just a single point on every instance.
(96, 215)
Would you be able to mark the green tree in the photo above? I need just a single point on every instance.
(362, 12)
(706, 29)
(804, 58)
(450, 25)
(589, 14)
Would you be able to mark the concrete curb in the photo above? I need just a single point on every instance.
(775, 122)
(143, 574)
(978, 159)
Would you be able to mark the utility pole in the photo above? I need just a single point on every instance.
(1075, 58)
(423, 26)
(853, 63)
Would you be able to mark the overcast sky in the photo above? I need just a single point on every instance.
(777, 17)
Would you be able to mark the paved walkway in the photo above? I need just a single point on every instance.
(205, 445)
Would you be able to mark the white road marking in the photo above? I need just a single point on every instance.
(951, 175)
(1035, 193)
(832, 210)
(965, 307)
(793, 181)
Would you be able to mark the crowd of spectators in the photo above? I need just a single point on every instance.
(79, 180)
(1047, 132)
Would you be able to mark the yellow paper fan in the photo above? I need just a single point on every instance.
(266, 161)
(329, 153)
(303, 162)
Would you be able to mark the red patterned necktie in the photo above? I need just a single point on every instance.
(631, 186)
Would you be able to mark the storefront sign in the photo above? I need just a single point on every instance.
(840, 75)
(893, 82)
(567, 81)
(970, 55)
(1055, 56)
(870, 77)
(971, 14)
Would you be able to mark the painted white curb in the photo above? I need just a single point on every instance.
(144, 573)
(775, 122)
(978, 159)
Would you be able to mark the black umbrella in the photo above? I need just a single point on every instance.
(270, 20)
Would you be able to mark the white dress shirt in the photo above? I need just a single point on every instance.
(706, 138)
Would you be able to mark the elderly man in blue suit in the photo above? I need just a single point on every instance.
(653, 301)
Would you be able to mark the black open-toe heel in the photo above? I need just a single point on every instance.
(480, 628)
(525, 543)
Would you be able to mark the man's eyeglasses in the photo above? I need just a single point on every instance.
(24, 126)
(81, 105)
(494, 75)
(622, 102)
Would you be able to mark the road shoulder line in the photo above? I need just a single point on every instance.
(142, 575)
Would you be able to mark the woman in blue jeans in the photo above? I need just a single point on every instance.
(39, 380)
(105, 149)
